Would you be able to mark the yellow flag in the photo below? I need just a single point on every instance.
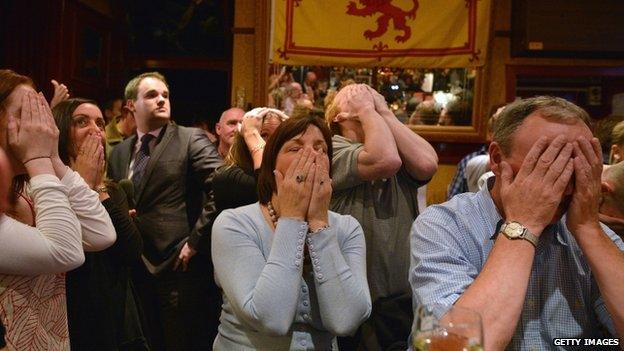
(370, 33)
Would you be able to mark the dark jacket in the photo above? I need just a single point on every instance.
(171, 196)
(102, 310)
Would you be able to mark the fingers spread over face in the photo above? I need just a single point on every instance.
(292, 168)
(593, 154)
(13, 134)
(582, 167)
(26, 112)
(309, 164)
(506, 174)
(35, 108)
(311, 176)
(530, 160)
(559, 164)
(564, 178)
(549, 156)
(279, 178)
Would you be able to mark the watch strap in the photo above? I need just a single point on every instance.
(530, 237)
(526, 234)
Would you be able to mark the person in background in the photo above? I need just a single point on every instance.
(277, 86)
(378, 164)
(527, 252)
(456, 113)
(112, 109)
(611, 208)
(294, 97)
(226, 129)
(171, 169)
(293, 273)
(310, 86)
(426, 113)
(205, 126)
(120, 128)
(616, 154)
(459, 183)
(61, 218)
(603, 129)
(61, 93)
(234, 184)
(103, 281)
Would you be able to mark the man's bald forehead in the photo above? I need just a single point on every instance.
(232, 112)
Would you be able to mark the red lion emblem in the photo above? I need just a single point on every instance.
(388, 12)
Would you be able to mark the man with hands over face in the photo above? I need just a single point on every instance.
(378, 164)
(528, 252)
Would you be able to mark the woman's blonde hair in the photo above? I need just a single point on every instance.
(239, 154)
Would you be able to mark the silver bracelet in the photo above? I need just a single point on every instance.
(318, 230)
(258, 147)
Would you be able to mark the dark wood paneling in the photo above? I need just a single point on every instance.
(564, 28)
(46, 40)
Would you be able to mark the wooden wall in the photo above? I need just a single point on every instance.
(46, 39)
(85, 44)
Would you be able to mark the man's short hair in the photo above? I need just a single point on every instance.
(549, 107)
(132, 88)
(231, 109)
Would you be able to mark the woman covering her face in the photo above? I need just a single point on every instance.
(234, 184)
(293, 273)
(103, 282)
(68, 216)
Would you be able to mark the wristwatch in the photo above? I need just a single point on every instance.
(515, 230)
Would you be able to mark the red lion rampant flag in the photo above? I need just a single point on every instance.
(368, 33)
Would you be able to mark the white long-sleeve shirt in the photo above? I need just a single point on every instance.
(98, 232)
(54, 246)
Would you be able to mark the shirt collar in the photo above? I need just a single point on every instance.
(155, 133)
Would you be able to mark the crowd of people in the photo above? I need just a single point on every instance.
(296, 227)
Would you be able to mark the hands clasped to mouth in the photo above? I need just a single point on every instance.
(304, 191)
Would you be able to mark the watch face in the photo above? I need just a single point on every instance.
(514, 230)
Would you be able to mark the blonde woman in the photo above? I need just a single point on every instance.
(235, 183)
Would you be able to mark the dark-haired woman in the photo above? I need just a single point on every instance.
(293, 273)
(112, 320)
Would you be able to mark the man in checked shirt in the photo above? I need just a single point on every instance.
(527, 251)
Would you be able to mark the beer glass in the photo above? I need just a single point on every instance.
(446, 328)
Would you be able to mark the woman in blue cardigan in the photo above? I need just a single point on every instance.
(293, 273)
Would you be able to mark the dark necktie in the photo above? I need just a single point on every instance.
(141, 159)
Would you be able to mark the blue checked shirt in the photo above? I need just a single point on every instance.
(451, 242)
(459, 184)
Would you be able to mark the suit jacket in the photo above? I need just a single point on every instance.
(170, 199)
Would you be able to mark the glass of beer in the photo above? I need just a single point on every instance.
(446, 328)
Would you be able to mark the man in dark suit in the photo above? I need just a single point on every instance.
(171, 168)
